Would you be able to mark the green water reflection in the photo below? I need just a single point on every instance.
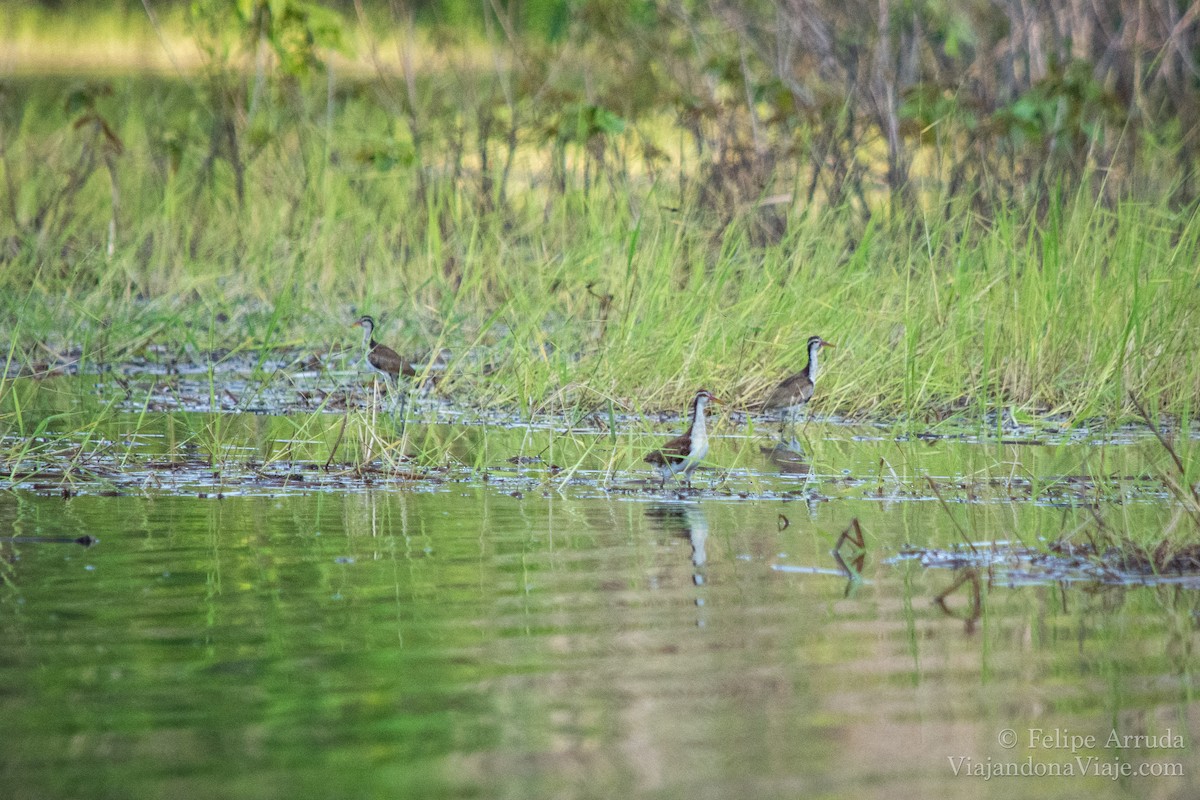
(462, 642)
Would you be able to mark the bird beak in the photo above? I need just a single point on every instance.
(356, 324)
(827, 344)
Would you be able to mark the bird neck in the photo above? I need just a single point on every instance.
(698, 430)
(369, 338)
(813, 364)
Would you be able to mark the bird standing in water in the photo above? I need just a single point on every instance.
(683, 453)
(794, 391)
(381, 358)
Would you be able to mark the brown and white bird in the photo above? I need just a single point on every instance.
(683, 453)
(794, 391)
(381, 358)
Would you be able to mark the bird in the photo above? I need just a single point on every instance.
(683, 453)
(381, 358)
(794, 391)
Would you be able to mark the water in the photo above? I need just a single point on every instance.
(480, 604)
(454, 640)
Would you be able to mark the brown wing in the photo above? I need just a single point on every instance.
(672, 452)
(790, 391)
(385, 358)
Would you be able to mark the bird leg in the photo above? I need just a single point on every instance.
(785, 417)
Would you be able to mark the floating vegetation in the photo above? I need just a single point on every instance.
(1014, 564)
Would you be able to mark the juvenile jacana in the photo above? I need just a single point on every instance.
(794, 391)
(381, 358)
(683, 453)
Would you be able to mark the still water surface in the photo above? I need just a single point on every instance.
(458, 641)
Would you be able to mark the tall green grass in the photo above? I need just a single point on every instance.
(630, 292)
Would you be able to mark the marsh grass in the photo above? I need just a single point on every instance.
(598, 290)
(629, 292)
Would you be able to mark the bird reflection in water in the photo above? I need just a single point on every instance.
(788, 457)
(687, 521)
